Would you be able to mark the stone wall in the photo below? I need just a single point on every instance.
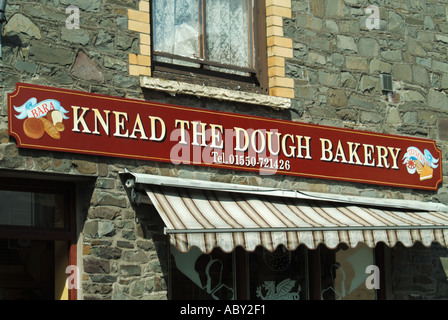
(338, 61)
(336, 66)
(119, 257)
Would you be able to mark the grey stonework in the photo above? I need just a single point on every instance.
(343, 60)
(336, 66)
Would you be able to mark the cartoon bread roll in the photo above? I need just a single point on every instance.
(33, 128)
(56, 117)
(51, 129)
(60, 126)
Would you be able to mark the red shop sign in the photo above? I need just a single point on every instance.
(79, 122)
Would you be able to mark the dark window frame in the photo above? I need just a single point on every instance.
(68, 233)
(258, 75)
(66, 189)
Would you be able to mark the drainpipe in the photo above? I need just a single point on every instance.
(2, 20)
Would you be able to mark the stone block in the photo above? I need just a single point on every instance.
(316, 58)
(402, 72)
(441, 38)
(440, 66)
(144, 6)
(103, 213)
(42, 52)
(368, 47)
(280, 51)
(145, 50)
(137, 256)
(360, 101)
(329, 79)
(130, 270)
(338, 98)
(420, 75)
(135, 70)
(139, 26)
(281, 82)
(331, 26)
(138, 15)
(444, 82)
(282, 92)
(357, 63)
(274, 10)
(274, 31)
(107, 252)
(318, 7)
(87, 69)
(346, 44)
(396, 23)
(443, 129)
(371, 117)
(25, 67)
(111, 199)
(335, 8)
(370, 84)
(393, 116)
(105, 228)
(306, 92)
(392, 55)
(379, 66)
(438, 100)
(279, 41)
(92, 265)
(274, 21)
(75, 36)
(278, 71)
(145, 39)
(86, 167)
(20, 24)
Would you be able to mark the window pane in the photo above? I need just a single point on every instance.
(278, 275)
(343, 273)
(31, 209)
(200, 276)
(227, 32)
(176, 27)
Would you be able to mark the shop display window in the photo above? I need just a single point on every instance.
(302, 274)
(199, 276)
(343, 273)
(31, 209)
(278, 275)
(37, 239)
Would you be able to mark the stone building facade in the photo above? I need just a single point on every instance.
(324, 64)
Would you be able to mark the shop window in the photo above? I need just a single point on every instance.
(209, 37)
(262, 275)
(198, 276)
(343, 273)
(303, 274)
(37, 239)
(31, 209)
(278, 275)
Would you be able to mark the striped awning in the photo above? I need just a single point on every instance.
(208, 218)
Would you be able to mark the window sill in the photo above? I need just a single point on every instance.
(176, 87)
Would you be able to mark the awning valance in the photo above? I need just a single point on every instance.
(210, 217)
